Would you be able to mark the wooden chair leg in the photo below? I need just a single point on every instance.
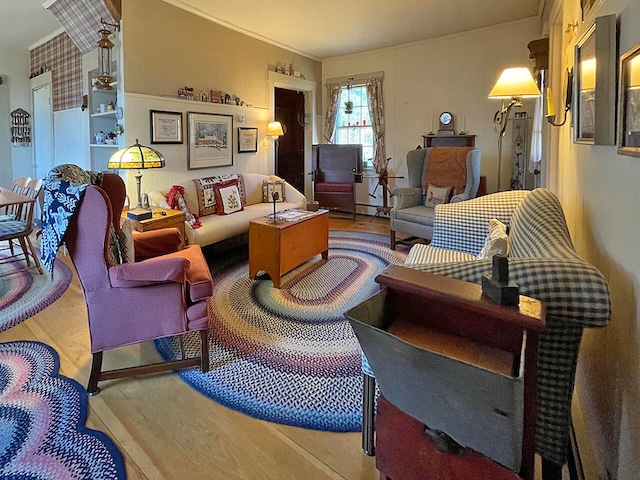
(368, 413)
(392, 235)
(94, 378)
(204, 351)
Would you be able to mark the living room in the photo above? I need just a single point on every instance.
(450, 73)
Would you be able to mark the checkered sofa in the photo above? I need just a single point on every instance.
(545, 265)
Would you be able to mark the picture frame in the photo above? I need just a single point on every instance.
(210, 140)
(247, 139)
(594, 118)
(629, 103)
(166, 127)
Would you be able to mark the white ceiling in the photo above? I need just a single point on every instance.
(319, 29)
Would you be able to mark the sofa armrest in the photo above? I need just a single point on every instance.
(407, 197)
(461, 197)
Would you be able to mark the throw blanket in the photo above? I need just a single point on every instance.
(446, 167)
(63, 188)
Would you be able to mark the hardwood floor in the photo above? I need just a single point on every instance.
(167, 430)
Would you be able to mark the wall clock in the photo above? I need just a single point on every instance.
(446, 124)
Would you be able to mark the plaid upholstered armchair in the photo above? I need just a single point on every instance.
(545, 265)
(454, 171)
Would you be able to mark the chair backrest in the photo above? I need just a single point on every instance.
(457, 167)
(24, 212)
(19, 185)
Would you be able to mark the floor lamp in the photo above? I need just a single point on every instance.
(274, 129)
(514, 84)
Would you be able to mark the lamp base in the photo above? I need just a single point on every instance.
(139, 214)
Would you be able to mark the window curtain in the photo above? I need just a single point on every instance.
(376, 111)
(331, 112)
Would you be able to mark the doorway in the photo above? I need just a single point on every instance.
(290, 112)
(42, 124)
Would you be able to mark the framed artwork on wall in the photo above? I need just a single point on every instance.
(166, 127)
(210, 140)
(247, 139)
(629, 103)
(595, 84)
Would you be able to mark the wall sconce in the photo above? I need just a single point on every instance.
(551, 116)
(104, 56)
(515, 84)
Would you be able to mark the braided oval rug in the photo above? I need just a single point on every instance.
(42, 421)
(289, 355)
(24, 294)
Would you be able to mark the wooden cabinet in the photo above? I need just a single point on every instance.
(448, 141)
(455, 367)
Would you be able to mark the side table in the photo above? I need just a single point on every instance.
(170, 218)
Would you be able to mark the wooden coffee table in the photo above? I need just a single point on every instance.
(277, 248)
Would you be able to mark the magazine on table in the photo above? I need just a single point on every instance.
(295, 214)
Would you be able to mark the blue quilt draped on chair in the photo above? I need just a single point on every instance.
(63, 188)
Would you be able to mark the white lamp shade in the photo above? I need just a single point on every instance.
(515, 83)
(274, 129)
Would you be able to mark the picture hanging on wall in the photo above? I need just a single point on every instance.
(247, 139)
(166, 127)
(629, 107)
(210, 140)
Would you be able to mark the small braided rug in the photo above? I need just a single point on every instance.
(42, 421)
(289, 355)
(23, 294)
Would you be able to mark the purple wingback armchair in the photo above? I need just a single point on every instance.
(129, 303)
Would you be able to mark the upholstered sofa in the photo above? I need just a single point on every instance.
(215, 228)
(545, 265)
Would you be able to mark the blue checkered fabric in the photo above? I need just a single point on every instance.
(544, 265)
(410, 215)
(11, 227)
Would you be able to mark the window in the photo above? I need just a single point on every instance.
(354, 125)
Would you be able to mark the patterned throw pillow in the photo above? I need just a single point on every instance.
(121, 249)
(269, 187)
(496, 241)
(436, 195)
(228, 198)
(205, 188)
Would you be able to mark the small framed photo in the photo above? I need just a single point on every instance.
(629, 106)
(166, 127)
(247, 139)
(210, 140)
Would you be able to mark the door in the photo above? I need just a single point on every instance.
(290, 112)
(42, 129)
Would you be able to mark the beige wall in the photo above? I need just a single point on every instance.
(14, 68)
(599, 192)
(167, 48)
(453, 73)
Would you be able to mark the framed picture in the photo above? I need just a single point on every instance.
(166, 127)
(271, 188)
(210, 140)
(595, 84)
(247, 139)
(629, 103)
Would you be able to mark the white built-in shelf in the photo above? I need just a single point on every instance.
(102, 145)
(108, 113)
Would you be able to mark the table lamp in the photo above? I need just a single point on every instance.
(137, 157)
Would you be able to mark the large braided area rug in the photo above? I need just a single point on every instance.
(42, 421)
(289, 355)
(24, 294)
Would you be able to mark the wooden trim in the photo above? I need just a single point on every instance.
(115, 9)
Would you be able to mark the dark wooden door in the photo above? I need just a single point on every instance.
(290, 157)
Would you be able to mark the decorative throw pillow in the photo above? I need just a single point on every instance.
(269, 187)
(227, 198)
(436, 195)
(496, 241)
(205, 189)
(176, 201)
